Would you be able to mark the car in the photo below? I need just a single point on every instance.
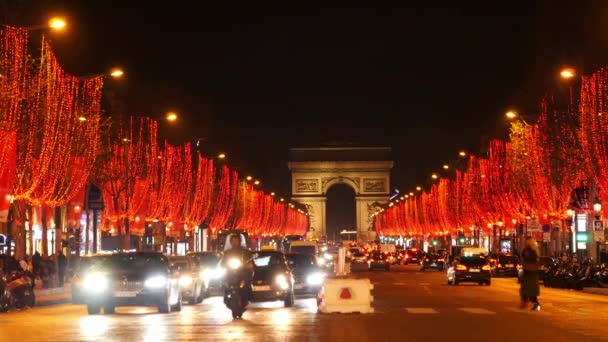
(192, 287)
(131, 279)
(208, 262)
(504, 265)
(359, 262)
(308, 276)
(379, 260)
(470, 268)
(433, 261)
(85, 262)
(413, 256)
(272, 278)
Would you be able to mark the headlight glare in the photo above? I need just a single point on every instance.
(156, 282)
(281, 280)
(185, 280)
(315, 278)
(233, 264)
(95, 282)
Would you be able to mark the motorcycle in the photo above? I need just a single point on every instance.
(235, 287)
(20, 284)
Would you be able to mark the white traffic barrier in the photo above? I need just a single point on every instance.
(345, 295)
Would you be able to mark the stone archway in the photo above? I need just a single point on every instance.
(365, 169)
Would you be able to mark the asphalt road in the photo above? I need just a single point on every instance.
(410, 306)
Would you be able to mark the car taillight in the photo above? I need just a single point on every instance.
(486, 267)
(461, 267)
(440, 260)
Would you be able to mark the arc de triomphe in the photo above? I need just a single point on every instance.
(367, 170)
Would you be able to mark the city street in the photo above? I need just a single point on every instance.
(410, 306)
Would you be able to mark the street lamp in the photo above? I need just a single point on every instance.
(117, 73)
(419, 188)
(171, 116)
(249, 178)
(257, 182)
(462, 153)
(57, 23)
(567, 73)
(511, 114)
(434, 176)
(446, 166)
(597, 206)
(272, 194)
(221, 156)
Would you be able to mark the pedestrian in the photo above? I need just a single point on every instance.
(530, 289)
(37, 263)
(62, 263)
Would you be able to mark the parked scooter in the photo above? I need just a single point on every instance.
(20, 284)
(5, 295)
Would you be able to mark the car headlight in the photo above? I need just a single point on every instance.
(281, 280)
(315, 278)
(95, 282)
(185, 280)
(233, 264)
(321, 261)
(156, 282)
(328, 256)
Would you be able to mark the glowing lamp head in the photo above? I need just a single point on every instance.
(221, 156)
(117, 73)
(462, 153)
(418, 188)
(597, 207)
(446, 167)
(57, 23)
(171, 117)
(434, 176)
(567, 73)
(570, 212)
(511, 114)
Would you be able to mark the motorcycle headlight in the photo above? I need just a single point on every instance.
(233, 264)
(156, 282)
(95, 282)
(185, 280)
(315, 279)
(281, 280)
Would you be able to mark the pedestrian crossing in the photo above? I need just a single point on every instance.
(465, 310)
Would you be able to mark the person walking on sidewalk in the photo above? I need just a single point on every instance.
(62, 263)
(530, 289)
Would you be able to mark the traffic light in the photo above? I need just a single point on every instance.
(434, 242)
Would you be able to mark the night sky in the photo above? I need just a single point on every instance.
(255, 81)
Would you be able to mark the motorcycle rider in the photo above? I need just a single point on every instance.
(237, 250)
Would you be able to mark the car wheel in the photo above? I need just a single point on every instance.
(290, 300)
(449, 282)
(489, 282)
(480, 283)
(165, 307)
(109, 309)
(93, 309)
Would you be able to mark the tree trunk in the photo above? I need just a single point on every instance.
(45, 245)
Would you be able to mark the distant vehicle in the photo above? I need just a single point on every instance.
(131, 279)
(388, 247)
(472, 269)
(192, 287)
(379, 260)
(272, 278)
(288, 239)
(308, 276)
(358, 262)
(211, 273)
(414, 256)
(504, 265)
(304, 247)
(433, 261)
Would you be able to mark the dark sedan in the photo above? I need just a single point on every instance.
(131, 279)
(308, 276)
(504, 265)
(272, 279)
(433, 261)
(472, 269)
(379, 260)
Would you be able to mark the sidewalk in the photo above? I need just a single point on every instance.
(596, 290)
(53, 296)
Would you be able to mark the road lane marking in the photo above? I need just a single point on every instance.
(478, 311)
(421, 310)
(424, 284)
(399, 284)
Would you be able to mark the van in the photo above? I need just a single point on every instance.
(304, 247)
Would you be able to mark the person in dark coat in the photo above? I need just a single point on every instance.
(530, 289)
(37, 263)
(62, 264)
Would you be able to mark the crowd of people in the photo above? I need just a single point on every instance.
(48, 271)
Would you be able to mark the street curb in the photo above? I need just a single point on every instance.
(55, 301)
(596, 290)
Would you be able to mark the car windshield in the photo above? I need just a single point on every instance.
(182, 264)
(301, 260)
(136, 261)
(473, 261)
(303, 249)
(267, 260)
(358, 254)
(379, 256)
